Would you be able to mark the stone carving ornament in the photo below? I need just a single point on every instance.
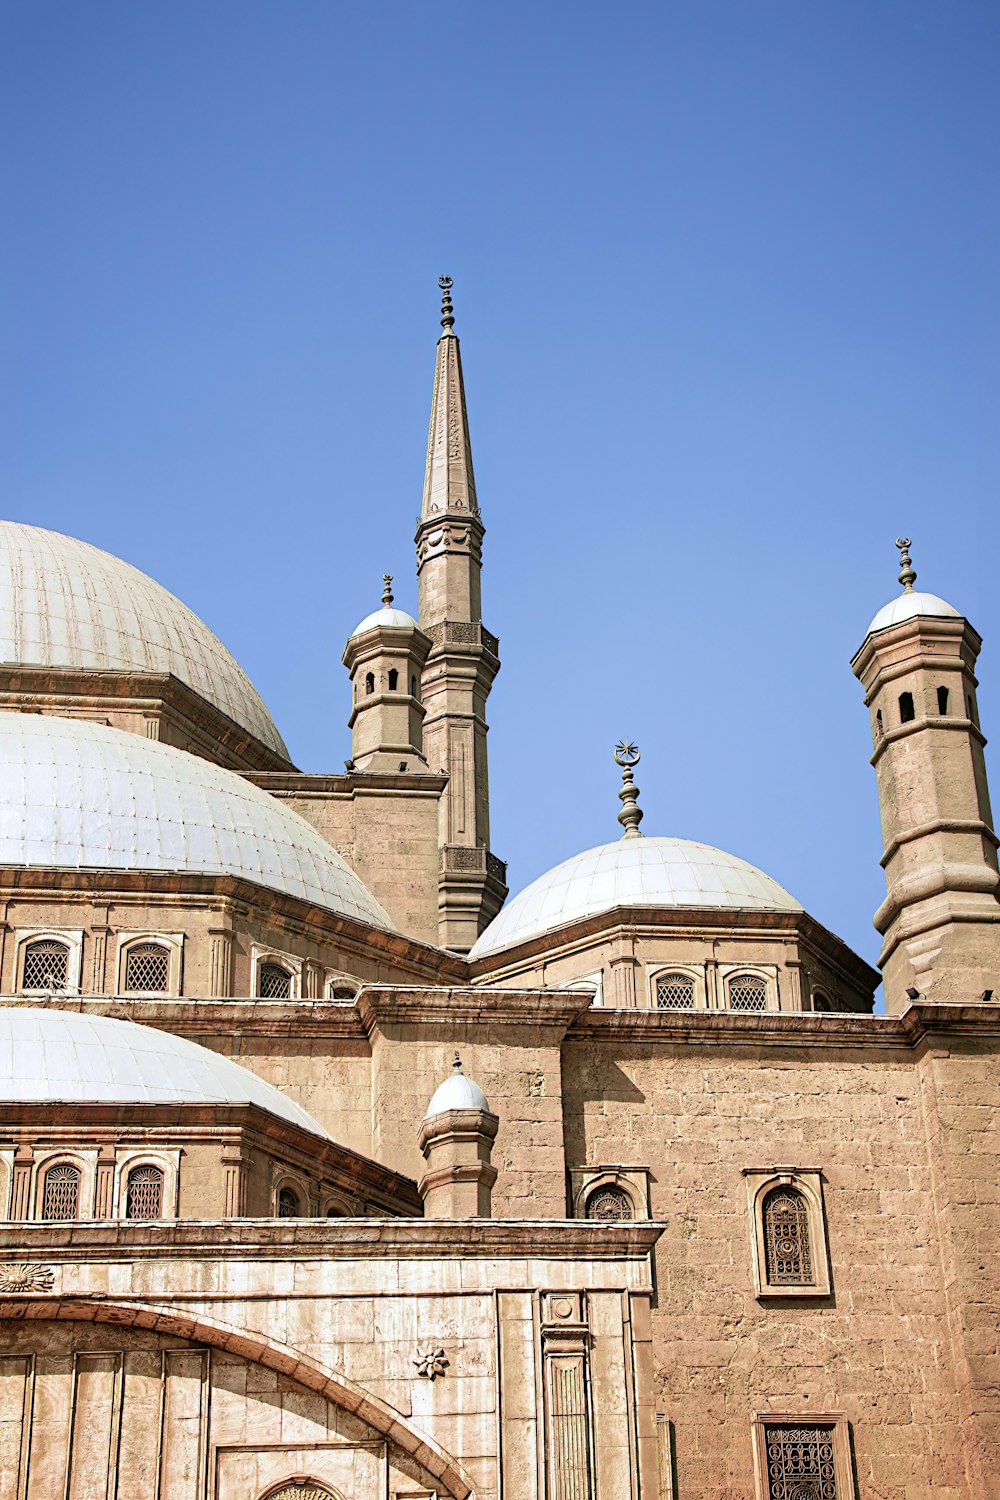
(21, 1277)
(431, 1363)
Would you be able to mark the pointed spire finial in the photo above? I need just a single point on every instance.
(387, 591)
(907, 576)
(457, 1064)
(447, 311)
(627, 756)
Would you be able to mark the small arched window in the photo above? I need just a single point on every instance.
(413, 687)
(609, 1202)
(46, 965)
(288, 1204)
(674, 992)
(273, 982)
(907, 713)
(747, 992)
(369, 683)
(61, 1192)
(393, 679)
(942, 698)
(787, 1251)
(147, 969)
(878, 725)
(144, 1193)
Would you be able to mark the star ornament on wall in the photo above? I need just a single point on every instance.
(431, 1363)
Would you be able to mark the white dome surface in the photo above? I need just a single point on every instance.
(387, 618)
(60, 1056)
(457, 1092)
(907, 606)
(633, 872)
(79, 795)
(64, 603)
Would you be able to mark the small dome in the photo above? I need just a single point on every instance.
(633, 872)
(62, 1057)
(387, 618)
(457, 1092)
(907, 606)
(64, 603)
(79, 795)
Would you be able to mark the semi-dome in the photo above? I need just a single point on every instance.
(79, 795)
(909, 605)
(633, 872)
(386, 618)
(62, 1057)
(65, 603)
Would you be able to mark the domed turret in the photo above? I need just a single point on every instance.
(456, 1138)
(385, 656)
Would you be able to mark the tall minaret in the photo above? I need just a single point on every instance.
(463, 659)
(940, 920)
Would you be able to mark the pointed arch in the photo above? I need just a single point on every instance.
(199, 1327)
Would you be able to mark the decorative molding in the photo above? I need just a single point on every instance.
(20, 1276)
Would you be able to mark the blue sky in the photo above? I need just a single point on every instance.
(726, 278)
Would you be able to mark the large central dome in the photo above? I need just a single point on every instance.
(633, 872)
(64, 603)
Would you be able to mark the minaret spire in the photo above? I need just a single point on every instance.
(449, 481)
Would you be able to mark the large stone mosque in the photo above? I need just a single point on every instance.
(327, 1172)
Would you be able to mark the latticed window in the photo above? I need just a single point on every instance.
(147, 968)
(747, 992)
(288, 1204)
(46, 965)
(61, 1192)
(609, 1203)
(675, 992)
(144, 1193)
(307, 1490)
(800, 1463)
(787, 1252)
(273, 982)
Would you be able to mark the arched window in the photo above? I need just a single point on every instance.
(413, 687)
(300, 1489)
(369, 683)
(46, 965)
(61, 1192)
(609, 1202)
(393, 679)
(906, 710)
(288, 1204)
(747, 992)
(787, 1252)
(942, 697)
(674, 992)
(144, 1193)
(273, 982)
(147, 969)
(878, 725)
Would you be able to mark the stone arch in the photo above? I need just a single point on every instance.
(200, 1327)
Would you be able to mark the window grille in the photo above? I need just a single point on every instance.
(274, 982)
(144, 1193)
(675, 992)
(147, 968)
(787, 1252)
(61, 1192)
(747, 992)
(609, 1203)
(46, 965)
(300, 1491)
(288, 1204)
(800, 1463)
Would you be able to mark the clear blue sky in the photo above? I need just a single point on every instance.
(726, 277)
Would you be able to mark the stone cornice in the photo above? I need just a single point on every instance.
(333, 784)
(394, 1005)
(336, 1239)
(194, 1016)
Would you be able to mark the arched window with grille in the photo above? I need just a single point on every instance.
(147, 969)
(747, 992)
(273, 982)
(61, 1192)
(609, 1202)
(288, 1203)
(674, 992)
(46, 965)
(144, 1193)
(788, 1259)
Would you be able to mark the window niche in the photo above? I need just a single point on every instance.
(788, 1232)
(48, 961)
(800, 1454)
(609, 1193)
(150, 963)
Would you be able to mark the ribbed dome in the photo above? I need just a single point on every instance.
(386, 617)
(633, 872)
(82, 796)
(59, 1056)
(907, 606)
(64, 603)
